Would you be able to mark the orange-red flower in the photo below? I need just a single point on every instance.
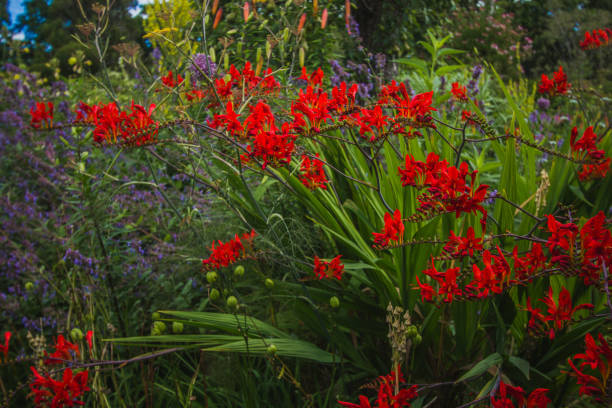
(557, 85)
(392, 231)
(324, 269)
(58, 394)
(42, 114)
(312, 173)
(5, 347)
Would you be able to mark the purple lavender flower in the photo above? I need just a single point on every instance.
(353, 28)
(156, 54)
(380, 60)
(202, 63)
(476, 71)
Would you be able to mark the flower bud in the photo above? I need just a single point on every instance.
(29, 286)
(155, 316)
(226, 61)
(417, 339)
(269, 283)
(177, 327)
(334, 302)
(272, 349)
(411, 331)
(158, 327)
(72, 61)
(302, 56)
(76, 334)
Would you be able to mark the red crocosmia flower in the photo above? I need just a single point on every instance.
(530, 264)
(58, 394)
(558, 85)
(459, 91)
(597, 358)
(596, 242)
(562, 235)
(504, 395)
(312, 173)
(170, 81)
(195, 95)
(460, 246)
(273, 147)
(42, 114)
(387, 397)
(225, 253)
(89, 338)
(139, 127)
(393, 230)
(449, 286)
(595, 39)
(64, 350)
(4, 348)
(323, 269)
(229, 121)
(109, 123)
(427, 291)
(538, 398)
(585, 148)
(558, 314)
(314, 79)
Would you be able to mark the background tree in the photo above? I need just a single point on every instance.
(50, 27)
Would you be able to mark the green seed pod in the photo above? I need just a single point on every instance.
(269, 283)
(272, 349)
(412, 331)
(258, 57)
(417, 339)
(232, 302)
(155, 316)
(155, 332)
(334, 302)
(206, 19)
(302, 56)
(76, 334)
(225, 292)
(239, 46)
(232, 31)
(212, 55)
(214, 294)
(177, 327)
(239, 271)
(159, 326)
(288, 3)
(286, 34)
(268, 49)
(211, 276)
(29, 286)
(226, 61)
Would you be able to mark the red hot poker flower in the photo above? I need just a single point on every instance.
(312, 173)
(41, 114)
(58, 394)
(333, 268)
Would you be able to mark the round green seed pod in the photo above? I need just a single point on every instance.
(269, 283)
(417, 339)
(159, 326)
(334, 302)
(239, 271)
(76, 334)
(272, 349)
(211, 276)
(214, 294)
(155, 316)
(29, 286)
(232, 302)
(177, 327)
(412, 331)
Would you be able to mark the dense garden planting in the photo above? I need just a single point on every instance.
(247, 205)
